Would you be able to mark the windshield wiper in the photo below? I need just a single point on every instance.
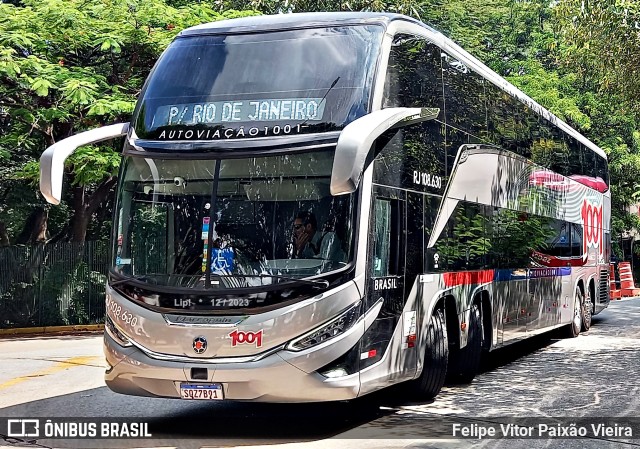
(335, 81)
(128, 279)
(320, 283)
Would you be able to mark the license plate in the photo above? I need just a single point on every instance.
(205, 392)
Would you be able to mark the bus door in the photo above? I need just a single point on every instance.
(386, 280)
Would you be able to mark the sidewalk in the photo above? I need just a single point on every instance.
(48, 330)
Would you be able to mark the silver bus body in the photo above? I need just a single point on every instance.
(369, 328)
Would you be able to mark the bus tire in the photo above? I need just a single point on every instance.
(574, 327)
(464, 363)
(436, 356)
(587, 311)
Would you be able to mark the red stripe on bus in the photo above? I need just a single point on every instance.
(468, 277)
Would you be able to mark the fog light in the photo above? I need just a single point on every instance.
(337, 372)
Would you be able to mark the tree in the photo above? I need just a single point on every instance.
(67, 66)
(601, 43)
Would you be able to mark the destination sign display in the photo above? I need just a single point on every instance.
(240, 111)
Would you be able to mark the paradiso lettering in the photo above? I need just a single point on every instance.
(592, 221)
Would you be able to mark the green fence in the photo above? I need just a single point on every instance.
(54, 284)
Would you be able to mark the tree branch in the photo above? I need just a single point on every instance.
(98, 197)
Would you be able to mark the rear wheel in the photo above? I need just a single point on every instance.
(587, 311)
(464, 363)
(573, 330)
(436, 355)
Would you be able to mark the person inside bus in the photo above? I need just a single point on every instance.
(309, 243)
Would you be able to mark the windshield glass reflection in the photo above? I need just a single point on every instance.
(265, 221)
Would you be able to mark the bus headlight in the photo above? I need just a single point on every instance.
(115, 333)
(328, 330)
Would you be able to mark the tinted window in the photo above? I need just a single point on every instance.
(455, 139)
(465, 97)
(514, 236)
(559, 242)
(602, 170)
(549, 150)
(576, 240)
(388, 254)
(382, 237)
(466, 242)
(478, 236)
(319, 79)
(412, 157)
(514, 126)
(576, 158)
(558, 159)
(500, 127)
(414, 75)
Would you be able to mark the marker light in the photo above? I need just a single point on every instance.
(115, 333)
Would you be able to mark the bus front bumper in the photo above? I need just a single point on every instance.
(271, 379)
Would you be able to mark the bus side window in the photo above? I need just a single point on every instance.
(387, 238)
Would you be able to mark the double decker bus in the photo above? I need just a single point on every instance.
(312, 207)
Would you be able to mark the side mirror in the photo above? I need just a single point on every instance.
(357, 138)
(52, 160)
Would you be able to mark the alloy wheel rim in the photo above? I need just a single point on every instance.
(577, 316)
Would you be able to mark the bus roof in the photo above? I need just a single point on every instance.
(292, 21)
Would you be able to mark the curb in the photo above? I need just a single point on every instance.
(626, 298)
(53, 329)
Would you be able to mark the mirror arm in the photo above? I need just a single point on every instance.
(357, 138)
(53, 158)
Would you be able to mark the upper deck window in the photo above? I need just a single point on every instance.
(216, 87)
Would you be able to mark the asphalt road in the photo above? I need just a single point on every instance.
(589, 380)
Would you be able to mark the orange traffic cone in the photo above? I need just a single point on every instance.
(627, 286)
(614, 292)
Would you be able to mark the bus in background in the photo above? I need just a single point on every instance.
(312, 207)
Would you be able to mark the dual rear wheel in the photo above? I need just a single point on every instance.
(582, 313)
(461, 365)
(440, 363)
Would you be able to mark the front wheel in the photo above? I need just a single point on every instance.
(436, 356)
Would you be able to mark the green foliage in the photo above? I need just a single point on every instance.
(601, 43)
(90, 162)
(86, 304)
(56, 284)
(71, 65)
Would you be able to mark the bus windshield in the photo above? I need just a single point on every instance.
(217, 87)
(249, 221)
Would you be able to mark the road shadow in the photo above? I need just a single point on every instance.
(192, 424)
(516, 351)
